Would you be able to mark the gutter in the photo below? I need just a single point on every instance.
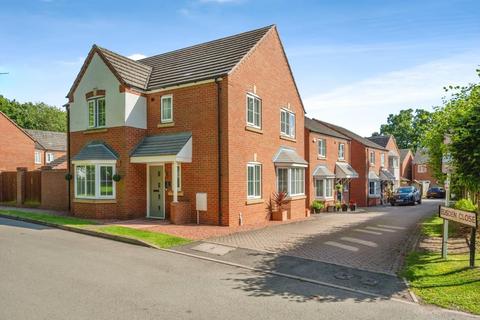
(219, 145)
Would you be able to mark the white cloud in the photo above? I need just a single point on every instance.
(364, 105)
(137, 56)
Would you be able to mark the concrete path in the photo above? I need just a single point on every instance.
(375, 241)
(53, 274)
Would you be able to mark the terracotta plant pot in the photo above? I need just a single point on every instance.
(279, 215)
(353, 207)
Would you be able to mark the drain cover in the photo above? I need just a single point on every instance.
(343, 275)
(213, 248)
(369, 281)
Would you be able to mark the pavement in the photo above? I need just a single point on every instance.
(376, 241)
(54, 274)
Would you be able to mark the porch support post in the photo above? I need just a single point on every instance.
(174, 181)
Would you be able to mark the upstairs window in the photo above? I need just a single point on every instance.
(422, 168)
(96, 113)
(254, 111)
(372, 158)
(287, 123)
(50, 157)
(341, 151)
(382, 159)
(38, 157)
(322, 148)
(166, 109)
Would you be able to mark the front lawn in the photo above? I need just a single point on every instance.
(159, 239)
(447, 283)
(49, 218)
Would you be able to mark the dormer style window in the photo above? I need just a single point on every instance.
(341, 151)
(254, 111)
(96, 112)
(287, 123)
(166, 109)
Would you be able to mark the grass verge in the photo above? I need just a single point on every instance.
(49, 218)
(447, 283)
(159, 239)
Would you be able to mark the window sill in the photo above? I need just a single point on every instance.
(253, 201)
(82, 200)
(166, 124)
(374, 196)
(324, 198)
(321, 158)
(179, 193)
(299, 197)
(284, 137)
(253, 129)
(95, 130)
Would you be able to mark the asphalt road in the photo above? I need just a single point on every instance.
(53, 274)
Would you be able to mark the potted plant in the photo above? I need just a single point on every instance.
(344, 207)
(338, 206)
(353, 206)
(278, 213)
(339, 187)
(317, 206)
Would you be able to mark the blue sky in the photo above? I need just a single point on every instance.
(354, 61)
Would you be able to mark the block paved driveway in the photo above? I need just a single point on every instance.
(374, 240)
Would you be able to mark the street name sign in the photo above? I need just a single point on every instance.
(460, 216)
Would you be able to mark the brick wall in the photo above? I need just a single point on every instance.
(423, 176)
(54, 190)
(406, 167)
(17, 149)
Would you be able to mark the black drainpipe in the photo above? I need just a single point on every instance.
(219, 134)
(67, 106)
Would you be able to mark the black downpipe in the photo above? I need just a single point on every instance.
(219, 135)
(67, 106)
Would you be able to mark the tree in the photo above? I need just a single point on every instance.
(39, 116)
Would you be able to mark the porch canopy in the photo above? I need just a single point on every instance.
(171, 147)
(344, 170)
(96, 151)
(323, 172)
(372, 176)
(286, 156)
(386, 175)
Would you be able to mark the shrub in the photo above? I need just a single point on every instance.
(466, 205)
(318, 205)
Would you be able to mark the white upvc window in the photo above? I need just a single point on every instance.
(291, 180)
(382, 159)
(287, 123)
(341, 151)
(50, 156)
(322, 148)
(96, 112)
(422, 168)
(38, 157)
(372, 158)
(166, 109)
(324, 188)
(254, 181)
(254, 111)
(374, 188)
(94, 181)
(179, 177)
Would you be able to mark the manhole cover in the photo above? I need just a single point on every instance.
(213, 248)
(343, 275)
(369, 282)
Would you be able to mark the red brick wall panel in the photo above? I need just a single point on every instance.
(16, 148)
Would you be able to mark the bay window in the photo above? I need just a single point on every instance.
(254, 111)
(291, 180)
(324, 188)
(287, 123)
(254, 178)
(96, 113)
(94, 181)
(374, 188)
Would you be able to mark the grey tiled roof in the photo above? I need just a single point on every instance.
(353, 135)
(96, 150)
(421, 156)
(288, 156)
(318, 127)
(49, 140)
(132, 72)
(372, 175)
(344, 170)
(386, 175)
(322, 171)
(403, 153)
(60, 161)
(162, 144)
(202, 61)
(380, 140)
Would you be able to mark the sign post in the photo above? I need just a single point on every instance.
(466, 218)
(445, 221)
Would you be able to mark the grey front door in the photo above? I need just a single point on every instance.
(157, 193)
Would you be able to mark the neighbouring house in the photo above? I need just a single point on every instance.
(50, 148)
(392, 161)
(422, 173)
(329, 174)
(406, 164)
(29, 148)
(220, 122)
(367, 158)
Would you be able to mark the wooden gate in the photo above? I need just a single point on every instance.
(8, 186)
(33, 186)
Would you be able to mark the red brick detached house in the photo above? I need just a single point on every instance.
(406, 164)
(30, 149)
(222, 120)
(368, 160)
(422, 173)
(391, 163)
(329, 173)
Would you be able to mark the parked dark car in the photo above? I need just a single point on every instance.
(436, 192)
(406, 195)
